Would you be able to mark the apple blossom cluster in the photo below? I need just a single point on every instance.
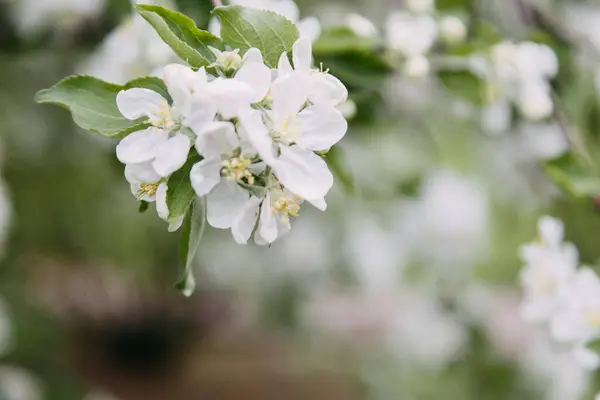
(517, 74)
(559, 294)
(256, 129)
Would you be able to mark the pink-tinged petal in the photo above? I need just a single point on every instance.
(140, 146)
(205, 175)
(303, 172)
(224, 203)
(326, 89)
(268, 221)
(321, 127)
(302, 55)
(138, 102)
(171, 155)
(245, 221)
(258, 77)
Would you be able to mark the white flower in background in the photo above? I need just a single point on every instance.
(549, 266)
(32, 17)
(308, 27)
(417, 67)
(412, 36)
(164, 144)
(132, 50)
(146, 185)
(420, 6)
(19, 384)
(452, 29)
(543, 141)
(361, 25)
(577, 320)
(323, 88)
(517, 73)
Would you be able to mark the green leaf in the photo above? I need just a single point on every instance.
(594, 346)
(92, 103)
(180, 192)
(243, 28)
(191, 235)
(143, 206)
(573, 175)
(150, 82)
(189, 42)
(463, 84)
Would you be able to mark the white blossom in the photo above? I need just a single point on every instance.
(452, 29)
(361, 25)
(420, 6)
(411, 35)
(549, 265)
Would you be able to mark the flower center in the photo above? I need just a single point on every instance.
(284, 207)
(164, 117)
(148, 188)
(288, 129)
(237, 169)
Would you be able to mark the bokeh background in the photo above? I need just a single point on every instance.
(406, 288)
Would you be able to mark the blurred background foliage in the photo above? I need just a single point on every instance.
(72, 208)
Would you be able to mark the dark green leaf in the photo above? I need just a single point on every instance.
(182, 35)
(150, 82)
(191, 235)
(463, 84)
(243, 28)
(180, 192)
(93, 105)
(143, 206)
(573, 175)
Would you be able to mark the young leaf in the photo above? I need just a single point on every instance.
(244, 28)
(180, 192)
(191, 235)
(92, 103)
(463, 84)
(572, 175)
(182, 35)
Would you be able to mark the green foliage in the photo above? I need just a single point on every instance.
(573, 175)
(180, 192)
(339, 167)
(182, 35)
(191, 235)
(463, 84)
(244, 28)
(92, 103)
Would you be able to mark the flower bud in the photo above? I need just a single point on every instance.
(417, 67)
(229, 61)
(452, 29)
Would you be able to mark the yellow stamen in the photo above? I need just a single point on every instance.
(238, 169)
(149, 188)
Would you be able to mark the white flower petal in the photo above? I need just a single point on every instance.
(321, 126)
(302, 54)
(230, 96)
(140, 146)
(141, 173)
(268, 221)
(202, 112)
(224, 203)
(303, 172)
(205, 175)
(287, 8)
(319, 203)
(138, 102)
(216, 139)
(161, 201)
(244, 222)
(258, 77)
(284, 66)
(171, 155)
(289, 94)
(309, 28)
(253, 55)
(326, 89)
(180, 81)
(254, 130)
